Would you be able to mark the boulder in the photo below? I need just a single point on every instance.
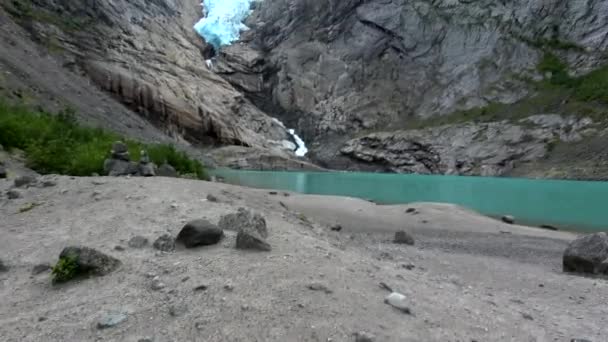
(248, 238)
(588, 254)
(77, 261)
(403, 237)
(147, 169)
(118, 167)
(199, 233)
(166, 170)
(244, 218)
(138, 241)
(164, 243)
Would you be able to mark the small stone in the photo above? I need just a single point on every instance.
(363, 336)
(336, 228)
(508, 219)
(176, 310)
(527, 316)
(42, 319)
(13, 194)
(548, 227)
(398, 301)
(319, 287)
(402, 237)
(408, 266)
(119, 248)
(3, 267)
(199, 233)
(138, 241)
(201, 287)
(145, 339)
(272, 193)
(24, 180)
(245, 307)
(48, 183)
(157, 284)
(212, 198)
(3, 173)
(41, 268)
(229, 287)
(579, 340)
(185, 279)
(111, 319)
(410, 210)
(164, 243)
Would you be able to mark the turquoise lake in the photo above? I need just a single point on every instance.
(568, 205)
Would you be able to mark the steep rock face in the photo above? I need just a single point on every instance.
(488, 149)
(336, 67)
(147, 55)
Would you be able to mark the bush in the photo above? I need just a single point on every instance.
(58, 144)
(66, 269)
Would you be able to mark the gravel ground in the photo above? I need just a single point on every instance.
(467, 278)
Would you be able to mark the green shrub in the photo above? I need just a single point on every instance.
(66, 269)
(58, 144)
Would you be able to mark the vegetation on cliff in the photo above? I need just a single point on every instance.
(56, 143)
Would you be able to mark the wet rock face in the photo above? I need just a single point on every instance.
(486, 149)
(587, 255)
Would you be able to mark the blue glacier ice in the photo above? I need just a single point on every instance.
(222, 21)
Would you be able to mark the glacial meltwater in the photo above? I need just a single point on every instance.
(567, 205)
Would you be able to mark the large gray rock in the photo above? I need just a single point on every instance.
(199, 233)
(89, 261)
(251, 229)
(166, 170)
(587, 254)
(244, 219)
(146, 169)
(248, 238)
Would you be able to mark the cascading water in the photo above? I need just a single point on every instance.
(221, 25)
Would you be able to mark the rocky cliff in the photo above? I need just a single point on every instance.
(339, 70)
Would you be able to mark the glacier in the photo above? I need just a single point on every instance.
(222, 21)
